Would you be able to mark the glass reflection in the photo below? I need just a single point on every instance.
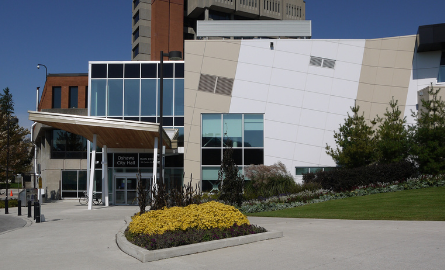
(148, 97)
(115, 96)
(211, 130)
(98, 97)
(232, 124)
(131, 98)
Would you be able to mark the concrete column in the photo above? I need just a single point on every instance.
(92, 169)
(155, 163)
(105, 175)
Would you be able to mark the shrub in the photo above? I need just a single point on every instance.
(204, 216)
(231, 180)
(266, 181)
(11, 203)
(175, 196)
(348, 179)
(191, 236)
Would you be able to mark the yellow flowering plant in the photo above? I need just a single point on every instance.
(203, 216)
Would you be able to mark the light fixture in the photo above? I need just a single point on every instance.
(271, 45)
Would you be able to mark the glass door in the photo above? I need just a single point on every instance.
(126, 188)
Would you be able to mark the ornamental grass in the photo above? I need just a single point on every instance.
(204, 216)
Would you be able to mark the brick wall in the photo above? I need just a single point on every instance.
(81, 81)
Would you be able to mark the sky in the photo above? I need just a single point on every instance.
(65, 35)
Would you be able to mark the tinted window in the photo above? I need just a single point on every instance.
(98, 89)
(253, 156)
(131, 98)
(115, 96)
(148, 98)
(179, 70)
(132, 70)
(149, 70)
(211, 157)
(98, 70)
(73, 97)
(57, 97)
(115, 71)
(168, 70)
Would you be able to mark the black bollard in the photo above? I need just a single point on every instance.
(35, 210)
(37, 216)
(6, 206)
(29, 209)
(19, 207)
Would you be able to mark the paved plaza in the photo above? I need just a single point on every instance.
(73, 237)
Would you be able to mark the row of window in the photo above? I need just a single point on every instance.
(73, 94)
(272, 5)
(250, 3)
(293, 10)
(132, 70)
(304, 170)
(441, 76)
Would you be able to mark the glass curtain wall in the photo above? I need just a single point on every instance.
(243, 132)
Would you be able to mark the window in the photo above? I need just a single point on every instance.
(304, 170)
(73, 97)
(136, 18)
(135, 51)
(66, 145)
(441, 76)
(136, 34)
(244, 131)
(57, 97)
(135, 3)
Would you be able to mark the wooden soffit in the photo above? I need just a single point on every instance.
(114, 133)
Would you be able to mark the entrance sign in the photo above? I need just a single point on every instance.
(125, 160)
(146, 160)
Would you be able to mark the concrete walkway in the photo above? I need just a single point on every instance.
(75, 238)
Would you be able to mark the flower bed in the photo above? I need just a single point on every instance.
(290, 201)
(177, 226)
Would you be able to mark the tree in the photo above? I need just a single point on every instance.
(20, 154)
(428, 149)
(355, 142)
(231, 181)
(391, 138)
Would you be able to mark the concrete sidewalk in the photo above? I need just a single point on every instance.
(74, 238)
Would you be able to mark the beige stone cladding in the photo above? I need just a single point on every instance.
(424, 95)
(214, 59)
(386, 71)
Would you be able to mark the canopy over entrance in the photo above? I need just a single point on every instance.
(114, 133)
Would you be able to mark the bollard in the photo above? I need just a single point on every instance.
(6, 206)
(37, 209)
(29, 209)
(19, 207)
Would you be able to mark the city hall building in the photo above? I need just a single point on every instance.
(272, 99)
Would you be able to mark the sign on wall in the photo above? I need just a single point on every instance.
(133, 160)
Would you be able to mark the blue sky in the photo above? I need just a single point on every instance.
(65, 35)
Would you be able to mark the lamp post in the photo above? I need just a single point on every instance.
(173, 55)
(15, 121)
(46, 78)
(46, 70)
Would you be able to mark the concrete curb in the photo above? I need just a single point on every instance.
(153, 255)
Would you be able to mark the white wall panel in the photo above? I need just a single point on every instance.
(339, 105)
(280, 131)
(311, 118)
(253, 73)
(291, 61)
(328, 138)
(327, 72)
(347, 71)
(333, 121)
(310, 136)
(250, 90)
(316, 101)
(285, 96)
(318, 84)
(307, 153)
(350, 54)
(289, 79)
(303, 46)
(326, 160)
(243, 105)
(344, 88)
(324, 48)
(268, 160)
(255, 55)
(277, 148)
(281, 113)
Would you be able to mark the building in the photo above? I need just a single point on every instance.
(275, 99)
(163, 25)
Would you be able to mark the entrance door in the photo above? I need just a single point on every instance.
(126, 188)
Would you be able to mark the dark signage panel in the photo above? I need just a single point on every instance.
(146, 160)
(125, 160)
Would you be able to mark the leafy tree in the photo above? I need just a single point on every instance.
(231, 181)
(391, 138)
(20, 154)
(428, 149)
(355, 142)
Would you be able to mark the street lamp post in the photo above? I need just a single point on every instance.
(173, 55)
(14, 120)
(46, 70)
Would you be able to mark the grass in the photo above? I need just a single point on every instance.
(11, 185)
(416, 204)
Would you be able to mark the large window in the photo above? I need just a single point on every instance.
(57, 97)
(243, 132)
(441, 76)
(66, 145)
(74, 183)
(73, 98)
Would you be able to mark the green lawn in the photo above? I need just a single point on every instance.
(417, 204)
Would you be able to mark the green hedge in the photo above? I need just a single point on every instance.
(349, 179)
(11, 203)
